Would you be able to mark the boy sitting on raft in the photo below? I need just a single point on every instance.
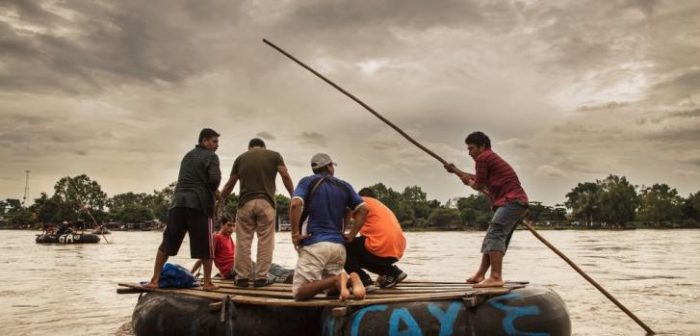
(317, 232)
(225, 250)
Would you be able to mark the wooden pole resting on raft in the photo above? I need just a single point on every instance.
(588, 278)
(357, 100)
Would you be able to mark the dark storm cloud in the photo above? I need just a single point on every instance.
(102, 45)
(266, 135)
(686, 114)
(680, 87)
(602, 107)
(313, 139)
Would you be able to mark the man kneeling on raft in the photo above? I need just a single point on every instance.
(317, 213)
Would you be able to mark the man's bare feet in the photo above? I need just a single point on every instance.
(343, 287)
(358, 289)
(490, 282)
(152, 285)
(474, 279)
(208, 286)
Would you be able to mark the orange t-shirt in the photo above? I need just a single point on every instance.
(382, 231)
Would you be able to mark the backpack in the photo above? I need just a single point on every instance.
(176, 276)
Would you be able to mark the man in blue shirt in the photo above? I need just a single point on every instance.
(317, 210)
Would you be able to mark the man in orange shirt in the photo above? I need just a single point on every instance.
(380, 245)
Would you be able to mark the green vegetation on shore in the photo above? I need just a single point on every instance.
(611, 203)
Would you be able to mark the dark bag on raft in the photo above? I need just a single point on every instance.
(175, 276)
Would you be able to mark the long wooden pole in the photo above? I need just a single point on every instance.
(371, 110)
(588, 278)
(396, 128)
(97, 225)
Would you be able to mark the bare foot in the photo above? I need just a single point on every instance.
(209, 287)
(152, 285)
(475, 279)
(490, 282)
(358, 289)
(343, 287)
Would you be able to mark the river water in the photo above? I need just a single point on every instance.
(71, 289)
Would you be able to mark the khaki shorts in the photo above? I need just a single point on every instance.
(318, 261)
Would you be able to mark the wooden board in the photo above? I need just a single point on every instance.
(281, 294)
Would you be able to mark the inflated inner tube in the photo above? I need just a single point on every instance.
(526, 311)
(68, 238)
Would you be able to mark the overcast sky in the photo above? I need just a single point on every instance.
(568, 91)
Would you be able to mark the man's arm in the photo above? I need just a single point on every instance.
(286, 179)
(359, 215)
(214, 173)
(463, 176)
(228, 187)
(295, 217)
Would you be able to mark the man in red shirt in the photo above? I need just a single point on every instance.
(224, 256)
(224, 250)
(495, 177)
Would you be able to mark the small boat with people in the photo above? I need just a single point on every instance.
(66, 233)
(67, 238)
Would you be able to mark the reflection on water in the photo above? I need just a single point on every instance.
(71, 289)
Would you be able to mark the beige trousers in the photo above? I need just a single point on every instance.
(256, 216)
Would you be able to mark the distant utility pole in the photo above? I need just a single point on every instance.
(26, 188)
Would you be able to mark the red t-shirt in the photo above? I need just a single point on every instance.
(224, 251)
(500, 179)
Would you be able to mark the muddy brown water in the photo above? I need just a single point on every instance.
(71, 289)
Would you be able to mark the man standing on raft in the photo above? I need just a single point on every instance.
(192, 208)
(257, 169)
(498, 180)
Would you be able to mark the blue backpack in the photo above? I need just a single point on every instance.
(176, 276)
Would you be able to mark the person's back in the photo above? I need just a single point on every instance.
(197, 181)
(257, 170)
(500, 179)
(327, 208)
(382, 231)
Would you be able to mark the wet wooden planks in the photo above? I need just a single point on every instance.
(281, 294)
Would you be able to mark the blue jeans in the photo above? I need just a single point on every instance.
(502, 226)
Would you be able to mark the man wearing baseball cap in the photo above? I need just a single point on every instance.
(317, 210)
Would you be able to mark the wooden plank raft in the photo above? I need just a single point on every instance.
(281, 294)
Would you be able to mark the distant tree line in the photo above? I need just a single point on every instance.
(615, 202)
(609, 203)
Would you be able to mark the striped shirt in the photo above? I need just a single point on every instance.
(497, 175)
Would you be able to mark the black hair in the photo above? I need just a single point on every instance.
(367, 192)
(206, 134)
(479, 139)
(256, 142)
(324, 169)
(226, 217)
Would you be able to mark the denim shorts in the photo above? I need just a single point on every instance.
(502, 226)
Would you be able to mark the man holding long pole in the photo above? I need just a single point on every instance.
(508, 200)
